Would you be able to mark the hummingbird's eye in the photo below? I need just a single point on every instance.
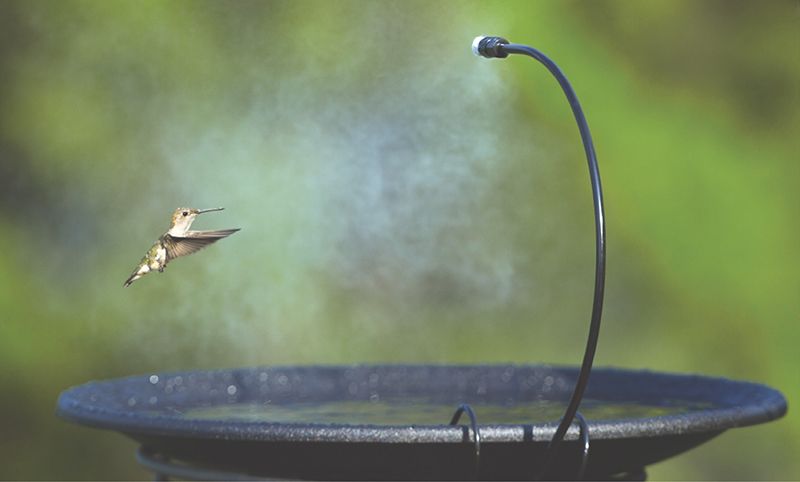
(185, 213)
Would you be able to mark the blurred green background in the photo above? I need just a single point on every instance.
(399, 199)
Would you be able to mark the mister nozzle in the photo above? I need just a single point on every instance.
(489, 47)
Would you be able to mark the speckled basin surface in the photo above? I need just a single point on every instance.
(380, 421)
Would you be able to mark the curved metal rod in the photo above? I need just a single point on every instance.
(584, 438)
(499, 48)
(600, 247)
(473, 420)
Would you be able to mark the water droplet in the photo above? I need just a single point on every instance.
(374, 397)
(153, 400)
(153, 379)
(283, 379)
(353, 388)
(131, 401)
(263, 377)
(231, 390)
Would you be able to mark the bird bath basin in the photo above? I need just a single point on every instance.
(391, 421)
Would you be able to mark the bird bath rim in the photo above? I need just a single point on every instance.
(735, 404)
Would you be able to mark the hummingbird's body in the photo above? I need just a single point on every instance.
(177, 241)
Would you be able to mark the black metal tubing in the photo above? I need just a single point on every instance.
(498, 47)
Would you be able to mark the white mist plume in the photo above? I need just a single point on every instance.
(382, 192)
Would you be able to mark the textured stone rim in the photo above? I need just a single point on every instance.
(105, 404)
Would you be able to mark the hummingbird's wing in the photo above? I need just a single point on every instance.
(193, 241)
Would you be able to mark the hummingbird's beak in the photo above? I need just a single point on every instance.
(201, 211)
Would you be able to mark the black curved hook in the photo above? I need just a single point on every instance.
(584, 438)
(473, 420)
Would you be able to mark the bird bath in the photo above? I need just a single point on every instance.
(375, 422)
(368, 422)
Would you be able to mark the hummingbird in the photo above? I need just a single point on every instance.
(177, 241)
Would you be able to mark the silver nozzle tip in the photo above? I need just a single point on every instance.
(476, 43)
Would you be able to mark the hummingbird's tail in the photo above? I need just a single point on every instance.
(140, 271)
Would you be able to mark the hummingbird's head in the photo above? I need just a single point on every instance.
(183, 218)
